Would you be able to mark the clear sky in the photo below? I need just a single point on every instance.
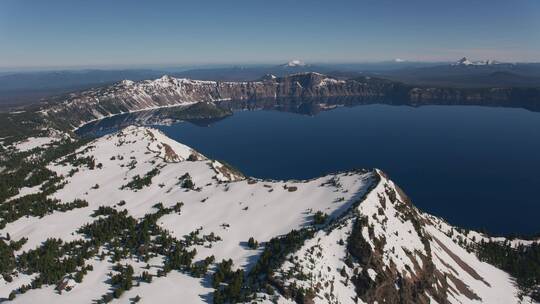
(62, 33)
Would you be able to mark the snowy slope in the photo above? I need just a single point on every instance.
(406, 246)
(397, 254)
(251, 208)
(39, 142)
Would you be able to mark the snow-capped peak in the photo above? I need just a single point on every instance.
(465, 61)
(295, 63)
(399, 60)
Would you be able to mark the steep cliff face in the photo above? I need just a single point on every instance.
(129, 96)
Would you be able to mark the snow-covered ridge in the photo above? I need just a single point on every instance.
(48, 137)
(466, 62)
(405, 245)
(401, 244)
(220, 202)
(130, 96)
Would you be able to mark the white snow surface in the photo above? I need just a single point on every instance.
(35, 142)
(322, 258)
(251, 208)
(237, 208)
(295, 63)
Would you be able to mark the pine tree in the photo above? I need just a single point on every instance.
(79, 276)
(252, 243)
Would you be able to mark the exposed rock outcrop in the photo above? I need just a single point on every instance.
(128, 96)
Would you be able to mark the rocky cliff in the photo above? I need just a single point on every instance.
(129, 96)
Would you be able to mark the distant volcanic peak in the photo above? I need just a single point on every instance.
(399, 60)
(295, 63)
(465, 61)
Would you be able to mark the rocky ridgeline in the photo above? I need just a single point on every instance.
(128, 96)
(387, 251)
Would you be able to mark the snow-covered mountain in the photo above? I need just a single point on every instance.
(129, 96)
(142, 217)
(466, 62)
(295, 63)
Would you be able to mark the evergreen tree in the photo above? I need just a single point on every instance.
(252, 243)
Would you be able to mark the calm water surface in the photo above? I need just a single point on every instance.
(477, 167)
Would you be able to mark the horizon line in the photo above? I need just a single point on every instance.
(150, 66)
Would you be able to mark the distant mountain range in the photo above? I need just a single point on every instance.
(469, 74)
(466, 61)
(30, 87)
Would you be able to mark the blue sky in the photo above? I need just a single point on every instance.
(63, 33)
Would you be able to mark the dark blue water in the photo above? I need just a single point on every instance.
(477, 167)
